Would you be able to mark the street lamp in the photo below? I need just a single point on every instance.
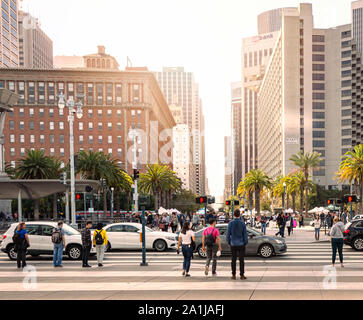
(74, 108)
(284, 185)
(133, 134)
(112, 190)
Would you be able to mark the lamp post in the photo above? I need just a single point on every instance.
(133, 134)
(74, 108)
(112, 190)
(283, 204)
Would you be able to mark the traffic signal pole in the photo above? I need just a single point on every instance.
(143, 239)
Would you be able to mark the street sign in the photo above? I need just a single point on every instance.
(91, 210)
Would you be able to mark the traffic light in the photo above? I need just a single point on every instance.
(79, 196)
(350, 198)
(202, 200)
(136, 174)
(330, 201)
(89, 189)
(211, 200)
(228, 203)
(63, 178)
(236, 202)
(103, 183)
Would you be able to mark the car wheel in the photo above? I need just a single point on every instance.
(11, 252)
(201, 253)
(160, 245)
(358, 244)
(266, 251)
(74, 252)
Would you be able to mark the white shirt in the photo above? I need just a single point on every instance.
(187, 238)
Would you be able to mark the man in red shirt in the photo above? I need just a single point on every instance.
(211, 244)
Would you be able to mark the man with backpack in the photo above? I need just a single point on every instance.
(211, 238)
(59, 244)
(100, 241)
(86, 244)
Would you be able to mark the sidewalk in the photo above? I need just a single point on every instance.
(301, 235)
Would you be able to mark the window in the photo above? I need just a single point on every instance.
(21, 112)
(346, 103)
(346, 63)
(109, 126)
(90, 113)
(347, 113)
(100, 126)
(90, 93)
(318, 57)
(346, 73)
(318, 67)
(346, 93)
(31, 125)
(51, 139)
(318, 134)
(61, 125)
(51, 113)
(346, 34)
(109, 113)
(346, 132)
(119, 139)
(346, 142)
(118, 94)
(61, 139)
(118, 113)
(318, 96)
(318, 38)
(22, 152)
(31, 112)
(347, 122)
(99, 113)
(12, 124)
(99, 93)
(346, 54)
(100, 139)
(318, 125)
(12, 138)
(51, 125)
(90, 126)
(22, 138)
(41, 126)
(80, 126)
(318, 143)
(110, 151)
(318, 115)
(109, 139)
(318, 86)
(318, 105)
(80, 139)
(318, 48)
(52, 152)
(41, 113)
(12, 152)
(319, 76)
(61, 152)
(41, 139)
(136, 93)
(90, 139)
(118, 126)
(119, 152)
(346, 83)
(21, 125)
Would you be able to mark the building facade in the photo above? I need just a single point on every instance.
(35, 47)
(9, 35)
(115, 103)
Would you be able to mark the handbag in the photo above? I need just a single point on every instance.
(161, 226)
(288, 223)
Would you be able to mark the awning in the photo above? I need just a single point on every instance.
(36, 189)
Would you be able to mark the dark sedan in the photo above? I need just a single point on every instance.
(258, 244)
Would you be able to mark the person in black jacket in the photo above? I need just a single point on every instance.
(86, 243)
(281, 223)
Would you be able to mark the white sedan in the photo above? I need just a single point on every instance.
(128, 236)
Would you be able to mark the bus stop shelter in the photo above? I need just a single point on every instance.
(36, 189)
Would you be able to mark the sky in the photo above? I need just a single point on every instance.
(203, 36)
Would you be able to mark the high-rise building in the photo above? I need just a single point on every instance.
(35, 47)
(115, 103)
(9, 35)
(256, 54)
(236, 134)
(227, 168)
(180, 89)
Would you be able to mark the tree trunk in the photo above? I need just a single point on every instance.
(55, 207)
(105, 204)
(287, 201)
(301, 200)
(156, 197)
(306, 201)
(293, 201)
(250, 200)
(118, 202)
(257, 200)
(36, 209)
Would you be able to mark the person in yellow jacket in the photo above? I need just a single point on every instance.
(100, 242)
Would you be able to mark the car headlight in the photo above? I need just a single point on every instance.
(171, 238)
(279, 241)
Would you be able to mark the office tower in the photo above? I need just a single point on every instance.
(236, 134)
(227, 168)
(35, 47)
(115, 103)
(179, 88)
(9, 54)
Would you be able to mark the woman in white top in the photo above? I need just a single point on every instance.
(186, 238)
(317, 225)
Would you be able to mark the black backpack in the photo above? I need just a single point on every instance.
(209, 239)
(16, 238)
(98, 238)
(57, 236)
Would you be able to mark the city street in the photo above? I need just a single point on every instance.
(296, 275)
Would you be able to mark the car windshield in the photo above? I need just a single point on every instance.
(348, 225)
(69, 230)
(148, 229)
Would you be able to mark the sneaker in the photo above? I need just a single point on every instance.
(187, 275)
(60, 266)
(100, 265)
(206, 271)
(243, 278)
(87, 266)
(183, 273)
(233, 277)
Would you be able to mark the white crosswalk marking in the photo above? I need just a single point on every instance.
(302, 268)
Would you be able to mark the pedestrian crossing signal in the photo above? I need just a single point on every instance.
(228, 203)
(79, 196)
(201, 200)
(350, 198)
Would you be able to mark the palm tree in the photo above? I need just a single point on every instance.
(255, 181)
(351, 170)
(306, 162)
(35, 165)
(159, 179)
(57, 170)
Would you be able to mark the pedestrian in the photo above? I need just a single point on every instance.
(281, 224)
(156, 222)
(300, 220)
(22, 243)
(149, 220)
(208, 217)
(181, 220)
(289, 223)
(100, 242)
(195, 220)
(86, 244)
(237, 238)
(59, 243)
(329, 220)
(186, 238)
(263, 223)
(211, 243)
(173, 222)
(162, 224)
(317, 226)
(344, 216)
(336, 238)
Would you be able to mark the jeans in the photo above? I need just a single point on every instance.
(100, 250)
(85, 255)
(21, 255)
(58, 254)
(281, 231)
(187, 253)
(289, 229)
(173, 228)
(337, 244)
(212, 255)
(239, 252)
(317, 233)
(263, 228)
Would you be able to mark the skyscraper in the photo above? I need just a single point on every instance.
(9, 53)
(36, 48)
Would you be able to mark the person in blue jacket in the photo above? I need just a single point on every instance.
(237, 238)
